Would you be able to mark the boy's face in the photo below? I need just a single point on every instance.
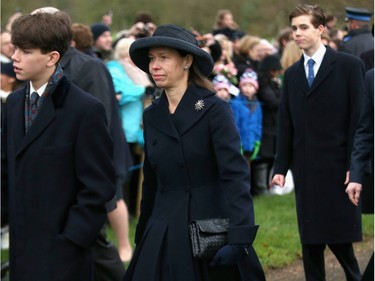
(248, 90)
(31, 64)
(307, 37)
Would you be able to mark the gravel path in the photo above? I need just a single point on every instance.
(334, 272)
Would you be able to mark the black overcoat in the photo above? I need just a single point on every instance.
(193, 169)
(362, 161)
(315, 137)
(60, 177)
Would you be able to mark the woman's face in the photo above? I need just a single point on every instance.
(167, 67)
(255, 52)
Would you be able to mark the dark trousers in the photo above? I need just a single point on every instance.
(132, 181)
(368, 275)
(313, 261)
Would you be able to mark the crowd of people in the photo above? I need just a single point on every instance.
(253, 116)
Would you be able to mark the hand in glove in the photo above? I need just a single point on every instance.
(229, 255)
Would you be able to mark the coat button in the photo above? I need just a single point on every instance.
(180, 163)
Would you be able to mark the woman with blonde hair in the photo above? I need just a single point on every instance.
(292, 53)
(248, 54)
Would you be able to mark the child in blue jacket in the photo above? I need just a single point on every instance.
(248, 114)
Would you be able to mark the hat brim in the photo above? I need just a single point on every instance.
(139, 52)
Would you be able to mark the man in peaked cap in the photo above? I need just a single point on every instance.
(359, 38)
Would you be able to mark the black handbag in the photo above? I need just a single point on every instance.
(208, 236)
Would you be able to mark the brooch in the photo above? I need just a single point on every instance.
(199, 105)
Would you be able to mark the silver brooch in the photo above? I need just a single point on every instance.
(199, 105)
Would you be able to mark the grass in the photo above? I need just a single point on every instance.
(277, 243)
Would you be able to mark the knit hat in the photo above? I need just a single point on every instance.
(220, 82)
(98, 29)
(249, 76)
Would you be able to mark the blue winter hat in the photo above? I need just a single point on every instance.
(357, 14)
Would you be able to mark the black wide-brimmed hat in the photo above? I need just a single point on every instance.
(175, 37)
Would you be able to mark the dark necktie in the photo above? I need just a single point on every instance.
(32, 110)
(310, 73)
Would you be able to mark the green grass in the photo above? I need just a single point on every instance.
(277, 242)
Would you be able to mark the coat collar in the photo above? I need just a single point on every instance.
(186, 114)
(325, 69)
(45, 116)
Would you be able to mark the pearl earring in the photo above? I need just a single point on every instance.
(185, 67)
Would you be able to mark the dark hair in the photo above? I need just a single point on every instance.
(195, 75)
(318, 17)
(44, 31)
(144, 17)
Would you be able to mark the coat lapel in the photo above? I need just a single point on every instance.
(161, 119)
(185, 115)
(188, 111)
(324, 70)
(42, 120)
(45, 115)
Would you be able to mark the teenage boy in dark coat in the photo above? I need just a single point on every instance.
(315, 137)
(59, 155)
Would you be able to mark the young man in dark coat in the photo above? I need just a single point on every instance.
(59, 156)
(317, 120)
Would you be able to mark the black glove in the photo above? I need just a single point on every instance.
(229, 255)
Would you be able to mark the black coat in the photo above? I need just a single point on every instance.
(193, 169)
(362, 162)
(269, 95)
(92, 76)
(60, 176)
(315, 137)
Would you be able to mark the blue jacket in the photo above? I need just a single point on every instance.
(248, 121)
(131, 104)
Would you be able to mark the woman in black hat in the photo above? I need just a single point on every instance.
(193, 168)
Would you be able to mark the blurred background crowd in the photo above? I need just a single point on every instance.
(250, 60)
